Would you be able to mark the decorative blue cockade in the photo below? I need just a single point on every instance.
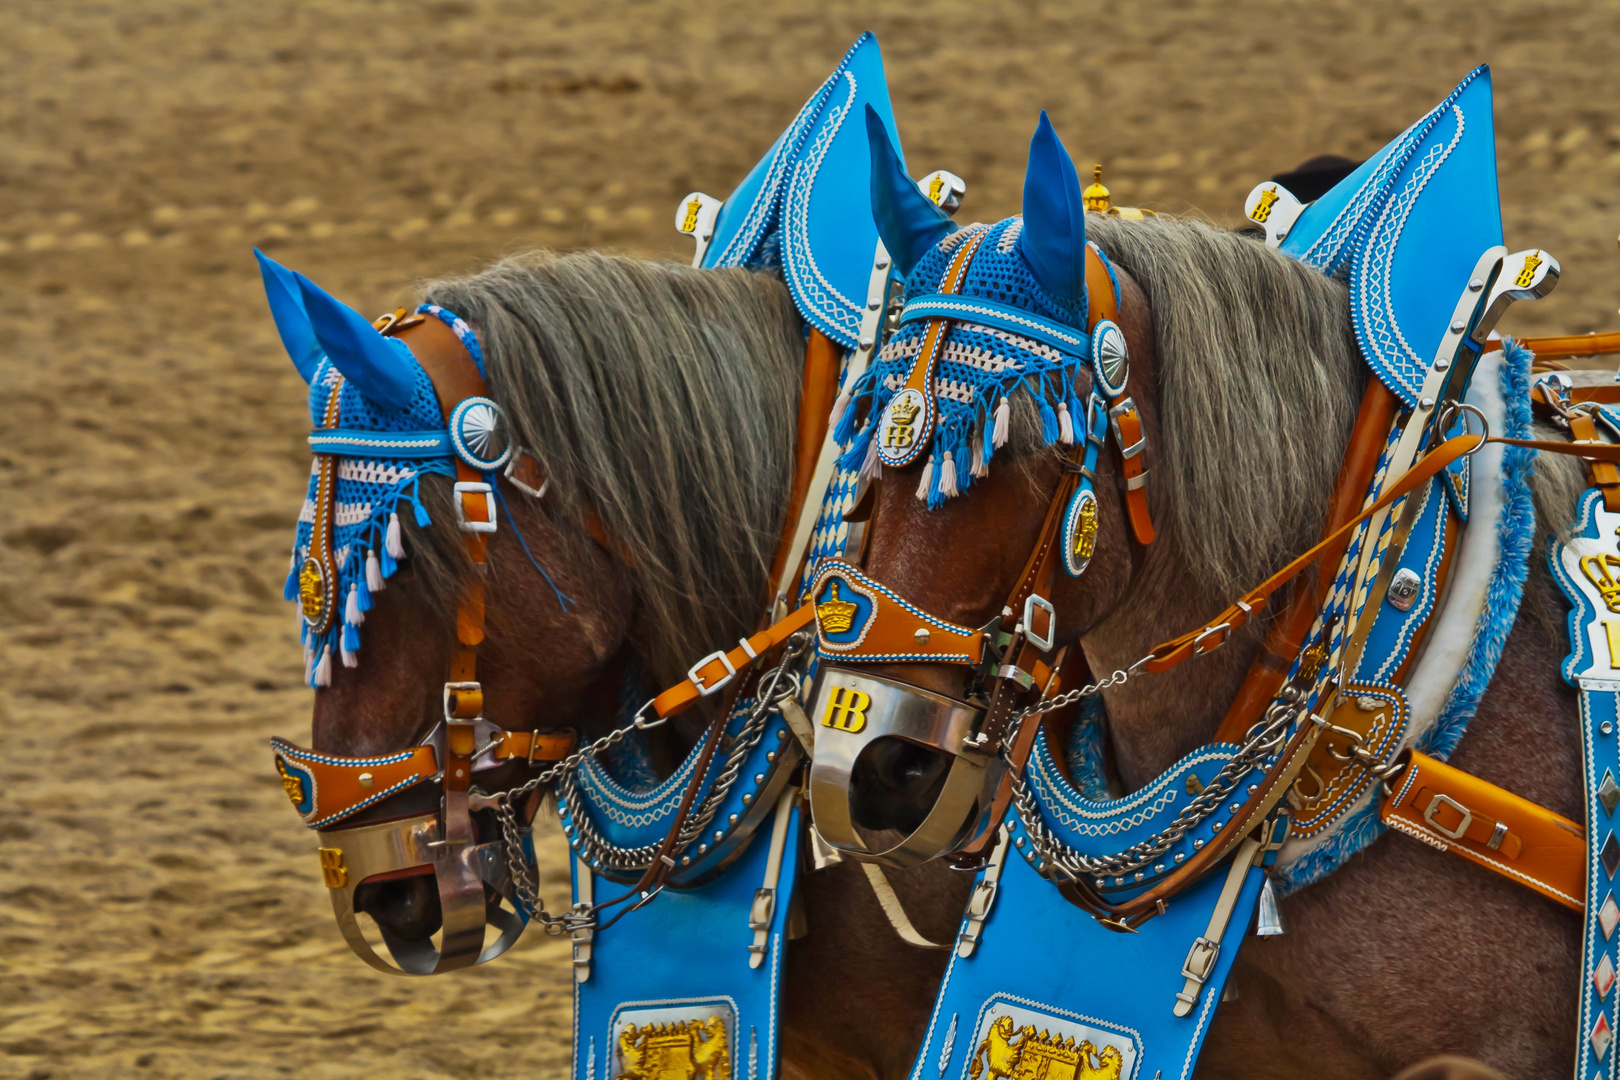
(1408, 227)
(1017, 311)
(379, 426)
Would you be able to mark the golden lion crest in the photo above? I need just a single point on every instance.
(678, 1050)
(1041, 1057)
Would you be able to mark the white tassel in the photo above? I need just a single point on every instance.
(978, 468)
(947, 476)
(838, 410)
(323, 670)
(927, 480)
(349, 658)
(998, 438)
(351, 610)
(392, 540)
(1065, 425)
(873, 465)
(374, 578)
(309, 664)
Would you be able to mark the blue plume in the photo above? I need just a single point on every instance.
(382, 369)
(1053, 239)
(287, 309)
(907, 220)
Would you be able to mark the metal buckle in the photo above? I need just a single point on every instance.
(1031, 602)
(1201, 959)
(1128, 405)
(1210, 631)
(1462, 826)
(454, 687)
(463, 487)
(697, 680)
(510, 472)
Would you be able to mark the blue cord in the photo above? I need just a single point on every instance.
(562, 600)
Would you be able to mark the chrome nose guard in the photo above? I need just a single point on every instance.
(851, 711)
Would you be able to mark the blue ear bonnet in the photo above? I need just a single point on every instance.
(371, 484)
(980, 364)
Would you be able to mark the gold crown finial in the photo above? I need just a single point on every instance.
(1095, 197)
(836, 614)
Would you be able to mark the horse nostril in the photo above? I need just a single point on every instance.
(895, 783)
(408, 907)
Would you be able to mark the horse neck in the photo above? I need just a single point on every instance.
(1155, 720)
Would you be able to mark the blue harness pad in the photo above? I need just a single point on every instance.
(1585, 569)
(678, 964)
(1071, 987)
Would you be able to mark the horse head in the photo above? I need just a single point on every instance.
(508, 541)
(1125, 382)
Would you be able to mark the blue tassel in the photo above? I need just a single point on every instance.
(289, 591)
(364, 591)
(351, 638)
(388, 564)
(846, 422)
(855, 456)
(1050, 429)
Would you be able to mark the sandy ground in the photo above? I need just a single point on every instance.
(160, 909)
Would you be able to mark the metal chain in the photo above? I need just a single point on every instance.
(1057, 857)
(502, 803)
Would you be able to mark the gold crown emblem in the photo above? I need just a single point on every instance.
(1095, 197)
(904, 411)
(835, 614)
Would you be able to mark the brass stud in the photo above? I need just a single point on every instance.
(366, 779)
(921, 635)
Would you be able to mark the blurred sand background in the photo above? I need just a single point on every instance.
(161, 912)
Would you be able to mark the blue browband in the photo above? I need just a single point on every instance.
(1014, 320)
(346, 442)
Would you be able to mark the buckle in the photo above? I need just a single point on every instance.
(511, 473)
(697, 680)
(1031, 602)
(1201, 960)
(478, 487)
(1208, 632)
(1462, 826)
(1128, 405)
(451, 689)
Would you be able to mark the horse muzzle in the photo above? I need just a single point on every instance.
(852, 712)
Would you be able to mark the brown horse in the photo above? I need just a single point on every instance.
(660, 402)
(1244, 364)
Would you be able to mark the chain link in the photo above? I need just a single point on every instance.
(769, 699)
(1056, 857)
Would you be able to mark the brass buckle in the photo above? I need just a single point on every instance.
(1462, 826)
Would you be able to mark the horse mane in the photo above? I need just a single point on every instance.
(1259, 381)
(666, 399)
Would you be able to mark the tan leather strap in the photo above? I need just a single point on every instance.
(1568, 345)
(896, 628)
(1170, 653)
(822, 363)
(1130, 434)
(718, 669)
(1454, 811)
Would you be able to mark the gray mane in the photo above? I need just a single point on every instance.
(665, 398)
(1259, 384)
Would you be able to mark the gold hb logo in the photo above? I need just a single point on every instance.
(1528, 274)
(899, 431)
(835, 614)
(847, 709)
(1262, 209)
(333, 872)
(690, 222)
(1597, 570)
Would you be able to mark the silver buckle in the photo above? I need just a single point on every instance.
(1033, 601)
(1125, 406)
(1208, 632)
(697, 680)
(1462, 826)
(510, 472)
(475, 487)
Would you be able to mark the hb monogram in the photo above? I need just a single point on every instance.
(847, 710)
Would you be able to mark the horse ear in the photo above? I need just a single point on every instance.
(287, 309)
(1053, 238)
(907, 220)
(380, 368)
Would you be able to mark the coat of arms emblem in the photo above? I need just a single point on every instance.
(1009, 1053)
(678, 1050)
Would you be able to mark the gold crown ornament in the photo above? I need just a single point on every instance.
(835, 614)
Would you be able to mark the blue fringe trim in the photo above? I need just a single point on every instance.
(1084, 751)
(1515, 534)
